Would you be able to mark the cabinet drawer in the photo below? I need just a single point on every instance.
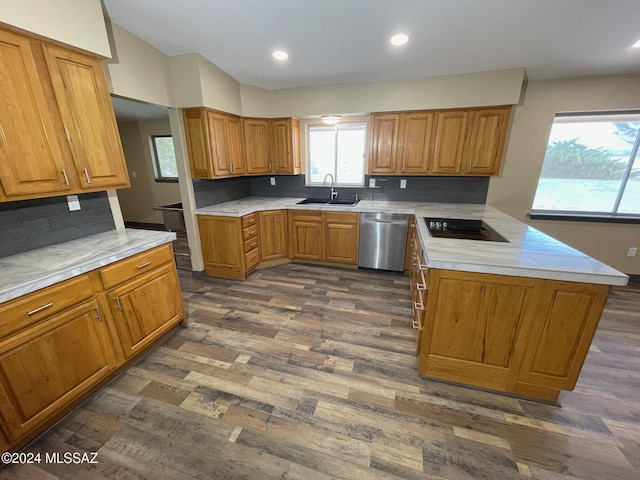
(127, 269)
(251, 259)
(24, 311)
(250, 232)
(249, 220)
(341, 217)
(306, 215)
(250, 244)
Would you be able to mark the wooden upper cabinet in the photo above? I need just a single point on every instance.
(59, 133)
(214, 143)
(198, 144)
(285, 141)
(383, 142)
(31, 158)
(257, 145)
(82, 96)
(488, 129)
(414, 146)
(451, 129)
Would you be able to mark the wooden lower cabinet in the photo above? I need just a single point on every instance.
(145, 308)
(514, 334)
(341, 235)
(45, 368)
(273, 234)
(305, 228)
(61, 343)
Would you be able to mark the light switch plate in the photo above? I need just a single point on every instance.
(272, 180)
(403, 183)
(372, 183)
(73, 202)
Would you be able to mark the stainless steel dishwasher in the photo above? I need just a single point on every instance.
(383, 241)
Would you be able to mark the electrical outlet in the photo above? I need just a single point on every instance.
(73, 202)
(372, 183)
(403, 183)
(632, 251)
(272, 180)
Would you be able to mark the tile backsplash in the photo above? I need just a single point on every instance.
(30, 224)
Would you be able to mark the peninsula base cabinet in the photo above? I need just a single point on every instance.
(60, 344)
(520, 335)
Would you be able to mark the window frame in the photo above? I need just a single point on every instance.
(159, 178)
(317, 122)
(613, 216)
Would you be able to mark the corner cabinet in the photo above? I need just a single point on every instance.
(214, 143)
(59, 131)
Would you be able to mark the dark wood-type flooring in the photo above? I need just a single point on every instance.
(307, 372)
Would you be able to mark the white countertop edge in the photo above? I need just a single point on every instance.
(100, 259)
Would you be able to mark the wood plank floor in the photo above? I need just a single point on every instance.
(306, 372)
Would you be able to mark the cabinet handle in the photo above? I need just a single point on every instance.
(66, 179)
(118, 304)
(276, 167)
(98, 316)
(254, 244)
(253, 232)
(252, 220)
(142, 265)
(86, 174)
(418, 306)
(44, 307)
(269, 168)
(254, 255)
(416, 324)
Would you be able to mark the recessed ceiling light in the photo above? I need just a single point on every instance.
(636, 45)
(399, 39)
(280, 55)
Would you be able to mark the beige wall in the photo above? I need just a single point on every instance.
(85, 28)
(499, 87)
(138, 70)
(514, 190)
(138, 201)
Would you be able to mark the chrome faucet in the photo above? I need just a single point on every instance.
(334, 194)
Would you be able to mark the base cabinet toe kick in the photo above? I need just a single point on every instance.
(60, 344)
(520, 335)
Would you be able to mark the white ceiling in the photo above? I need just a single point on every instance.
(344, 41)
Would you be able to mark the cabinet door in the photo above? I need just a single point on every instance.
(198, 144)
(235, 143)
(471, 326)
(82, 95)
(383, 142)
(146, 308)
(451, 129)
(222, 246)
(273, 234)
(341, 237)
(565, 323)
(486, 140)
(280, 137)
(414, 148)
(306, 235)
(257, 145)
(47, 367)
(217, 126)
(31, 159)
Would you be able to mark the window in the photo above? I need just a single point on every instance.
(164, 158)
(591, 167)
(338, 150)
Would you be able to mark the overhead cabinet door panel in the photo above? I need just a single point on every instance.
(87, 115)
(31, 159)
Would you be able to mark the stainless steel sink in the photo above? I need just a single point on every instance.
(326, 202)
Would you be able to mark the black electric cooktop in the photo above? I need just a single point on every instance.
(462, 229)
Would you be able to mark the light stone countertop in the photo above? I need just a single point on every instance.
(529, 252)
(30, 271)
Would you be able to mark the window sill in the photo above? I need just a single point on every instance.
(584, 217)
(166, 180)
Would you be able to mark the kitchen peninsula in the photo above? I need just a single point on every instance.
(516, 316)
